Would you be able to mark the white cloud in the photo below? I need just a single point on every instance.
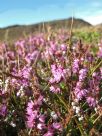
(94, 20)
(92, 16)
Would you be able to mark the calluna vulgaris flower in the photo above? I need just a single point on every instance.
(75, 66)
(82, 74)
(32, 114)
(91, 101)
(58, 73)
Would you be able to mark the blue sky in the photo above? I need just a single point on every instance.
(33, 11)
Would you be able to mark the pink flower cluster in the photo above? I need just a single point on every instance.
(58, 73)
(33, 112)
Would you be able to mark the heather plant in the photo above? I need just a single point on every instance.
(88, 36)
(51, 85)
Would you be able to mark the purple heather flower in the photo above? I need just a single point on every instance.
(63, 47)
(55, 89)
(58, 73)
(53, 68)
(10, 55)
(30, 104)
(3, 110)
(58, 90)
(57, 126)
(25, 72)
(30, 124)
(75, 67)
(57, 77)
(79, 84)
(46, 55)
(31, 117)
(49, 133)
(89, 57)
(100, 51)
(53, 46)
(29, 111)
(80, 93)
(40, 100)
(20, 47)
(91, 101)
(52, 80)
(52, 89)
(94, 74)
(20, 43)
(31, 57)
(42, 118)
(82, 74)
(31, 114)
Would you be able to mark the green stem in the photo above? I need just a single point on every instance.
(96, 67)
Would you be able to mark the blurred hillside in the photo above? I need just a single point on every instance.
(12, 33)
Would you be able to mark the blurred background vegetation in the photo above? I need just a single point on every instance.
(81, 29)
